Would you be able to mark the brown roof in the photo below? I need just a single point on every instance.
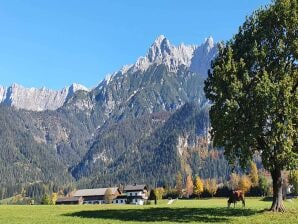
(68, 199)
(94, 192)
(135, 187)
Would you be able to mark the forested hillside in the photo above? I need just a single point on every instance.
(138, 125)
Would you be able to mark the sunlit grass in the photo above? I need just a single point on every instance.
(181, 211)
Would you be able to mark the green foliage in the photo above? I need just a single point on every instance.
(46, 200)
(293, 180)
(263, 185)
(253, 87)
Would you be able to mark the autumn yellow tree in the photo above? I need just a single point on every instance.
(245, 183)
(211, 186)
(253, 175)
(108, 196)
(159, 192)
(198, 186)
(234, 181)
(54, 197)
(189, 186)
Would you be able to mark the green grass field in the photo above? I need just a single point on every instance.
(181, 211)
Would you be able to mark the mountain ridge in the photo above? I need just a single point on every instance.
(196, 58)
(163, 52)
(35, 99)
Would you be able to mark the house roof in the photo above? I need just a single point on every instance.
(135, 187)
(68, 199)
(121, 197)
(94, 192)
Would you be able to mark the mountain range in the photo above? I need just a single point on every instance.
(37, 99)
(143, 123)
(195, 58)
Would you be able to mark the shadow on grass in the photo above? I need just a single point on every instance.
(267, 199)
(175, 215)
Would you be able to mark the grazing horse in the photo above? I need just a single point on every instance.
(236, 196)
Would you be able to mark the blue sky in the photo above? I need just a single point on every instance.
(54, 43)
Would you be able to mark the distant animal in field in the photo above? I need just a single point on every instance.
(236, 196)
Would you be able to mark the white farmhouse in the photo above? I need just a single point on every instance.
(136, 194)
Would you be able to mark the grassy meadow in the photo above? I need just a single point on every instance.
(181, 211)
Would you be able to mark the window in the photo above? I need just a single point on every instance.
(116, 201)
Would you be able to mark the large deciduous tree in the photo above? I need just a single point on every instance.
(253, 89)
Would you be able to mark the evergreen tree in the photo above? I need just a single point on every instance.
(253, 87)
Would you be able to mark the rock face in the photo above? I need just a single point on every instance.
(2, 92)
(202, 57)
(195, 57)
(37, 99)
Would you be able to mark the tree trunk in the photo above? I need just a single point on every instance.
(277, 204)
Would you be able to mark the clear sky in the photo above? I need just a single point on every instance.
(54, 43)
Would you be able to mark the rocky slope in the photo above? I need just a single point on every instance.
(37, 99)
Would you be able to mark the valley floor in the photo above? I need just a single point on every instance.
(181, 211)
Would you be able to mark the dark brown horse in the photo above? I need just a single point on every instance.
(236, 196)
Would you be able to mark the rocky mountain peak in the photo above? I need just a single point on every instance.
(195, 57)
(209, 42)
(35, 99)
(202, 57)
(160, 49)
(76, 87)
